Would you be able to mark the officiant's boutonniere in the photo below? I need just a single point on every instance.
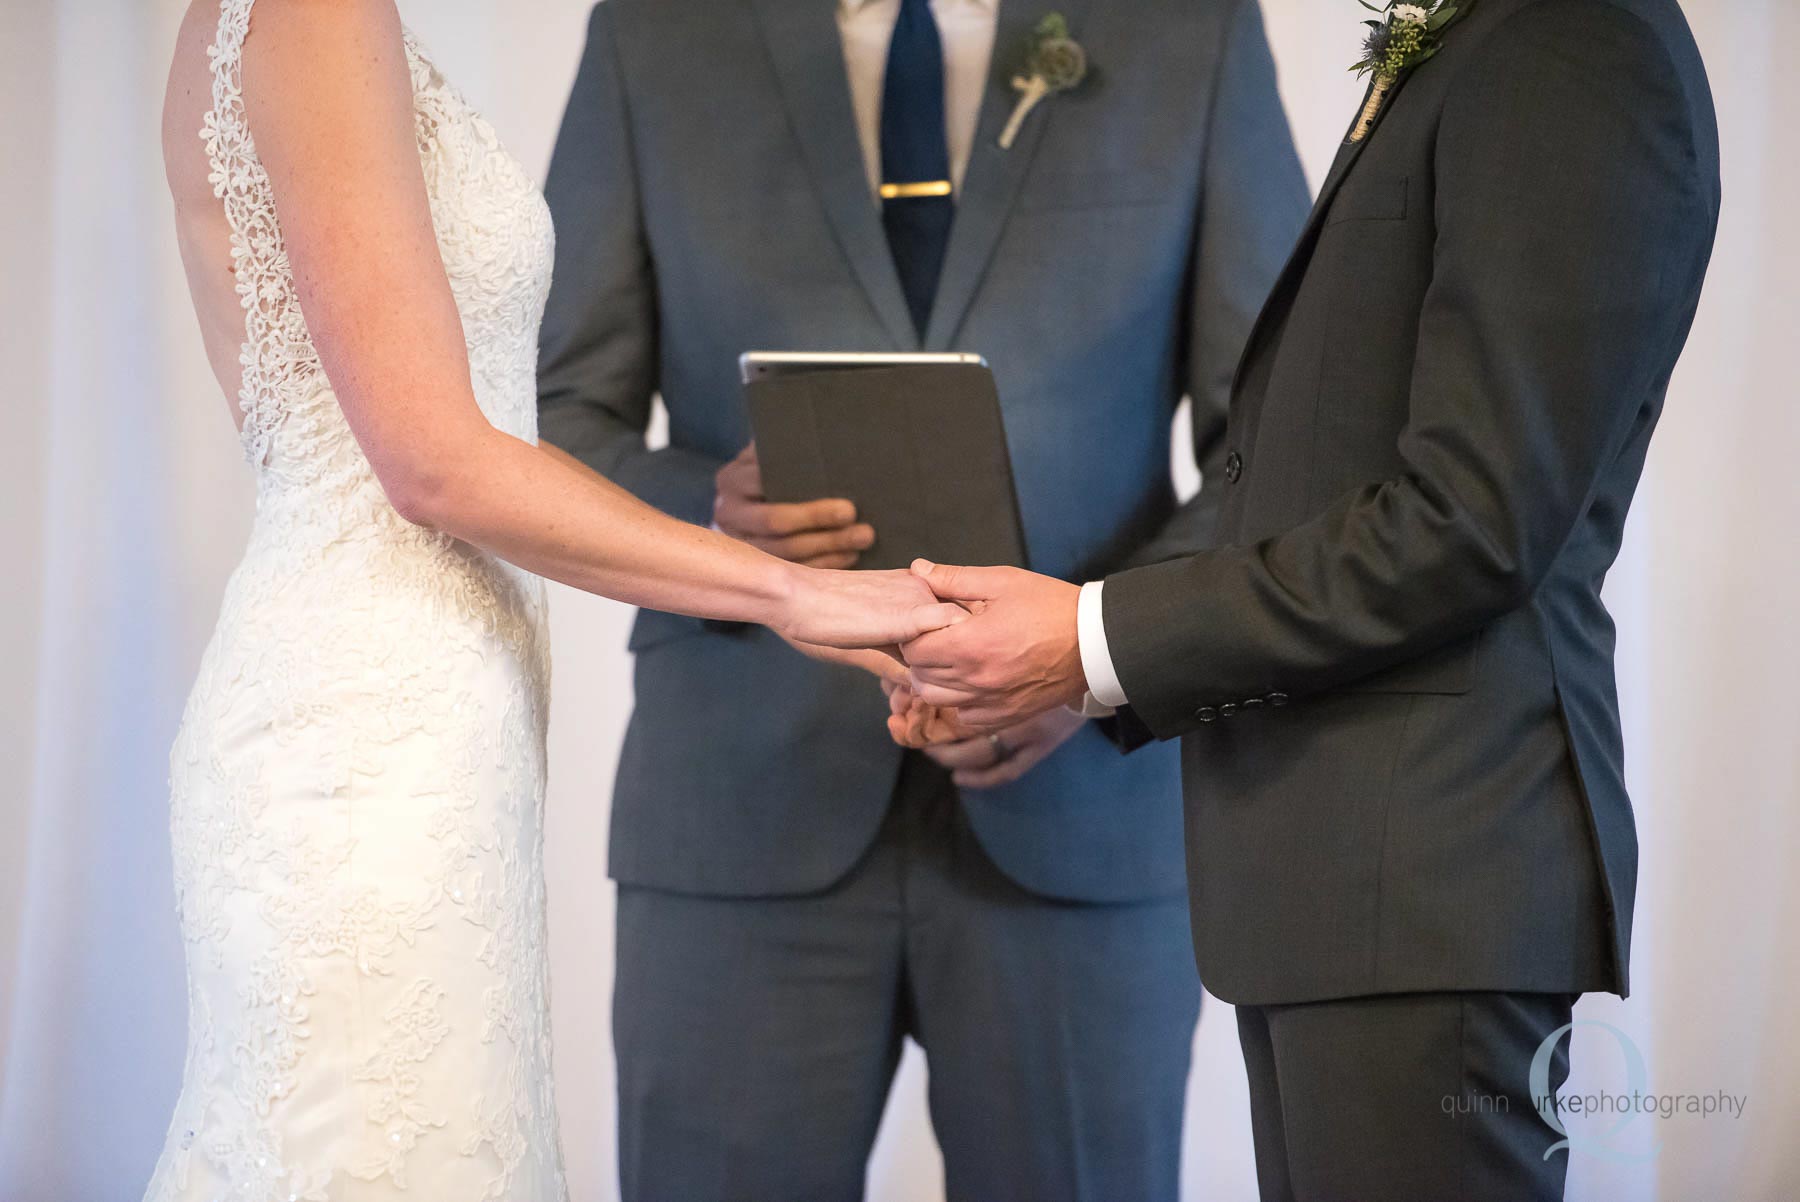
(1405, 36)
(1054, 62)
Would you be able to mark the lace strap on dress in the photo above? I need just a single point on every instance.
(280, 365)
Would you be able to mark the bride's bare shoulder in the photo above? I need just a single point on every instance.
(296, 50)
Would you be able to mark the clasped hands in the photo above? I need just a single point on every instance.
(987, 696)
(992, 695)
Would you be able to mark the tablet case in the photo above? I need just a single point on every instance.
(920, 449)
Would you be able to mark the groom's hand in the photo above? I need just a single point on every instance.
(913, 723)
(819, 534)
(1017, 657)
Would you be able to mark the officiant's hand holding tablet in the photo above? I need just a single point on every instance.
(819, 533)
(914, 441)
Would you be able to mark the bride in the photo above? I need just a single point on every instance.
(357, 786)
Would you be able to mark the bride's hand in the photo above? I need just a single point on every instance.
(862, 609)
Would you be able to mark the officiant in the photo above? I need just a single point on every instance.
(1094, 197)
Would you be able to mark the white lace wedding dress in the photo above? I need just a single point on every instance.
(357, 787)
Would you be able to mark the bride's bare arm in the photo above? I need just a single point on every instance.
(328, 95)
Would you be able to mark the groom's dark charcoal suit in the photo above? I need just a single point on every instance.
(1409, 838)
(795, 895)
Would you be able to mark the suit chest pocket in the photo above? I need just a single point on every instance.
(1378, 199)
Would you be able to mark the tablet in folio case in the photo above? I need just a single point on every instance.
(919, 448)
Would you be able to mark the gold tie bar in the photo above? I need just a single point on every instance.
(930, 187)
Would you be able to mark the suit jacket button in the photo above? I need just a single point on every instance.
(1277, 699)
(1234, 467)
(1228, 710)
(1207, 713)
(1252, 703)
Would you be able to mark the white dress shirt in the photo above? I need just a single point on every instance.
(967, 30)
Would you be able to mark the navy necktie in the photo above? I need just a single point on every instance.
(916, 203)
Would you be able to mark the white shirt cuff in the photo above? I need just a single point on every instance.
(1096, 661)
(1089, 708)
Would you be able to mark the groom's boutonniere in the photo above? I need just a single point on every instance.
(1405, 36)
(1054, 62)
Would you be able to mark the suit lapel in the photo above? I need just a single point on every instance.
(1279, 296)
(808, 57)
(991, 183)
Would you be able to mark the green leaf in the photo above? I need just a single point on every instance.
(1374, 8)
(1053, 26)
(1437, 19)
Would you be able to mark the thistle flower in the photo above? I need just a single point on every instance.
(1407, 37)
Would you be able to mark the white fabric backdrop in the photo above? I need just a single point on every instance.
(125, 504)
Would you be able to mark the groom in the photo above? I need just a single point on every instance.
(795, 896)
(1409, 841)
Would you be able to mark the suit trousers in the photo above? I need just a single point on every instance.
(1404, 1097)
(757, 1037)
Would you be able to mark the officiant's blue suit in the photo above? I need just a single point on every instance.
(710, 197)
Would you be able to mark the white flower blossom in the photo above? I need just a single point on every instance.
(1411, 14)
